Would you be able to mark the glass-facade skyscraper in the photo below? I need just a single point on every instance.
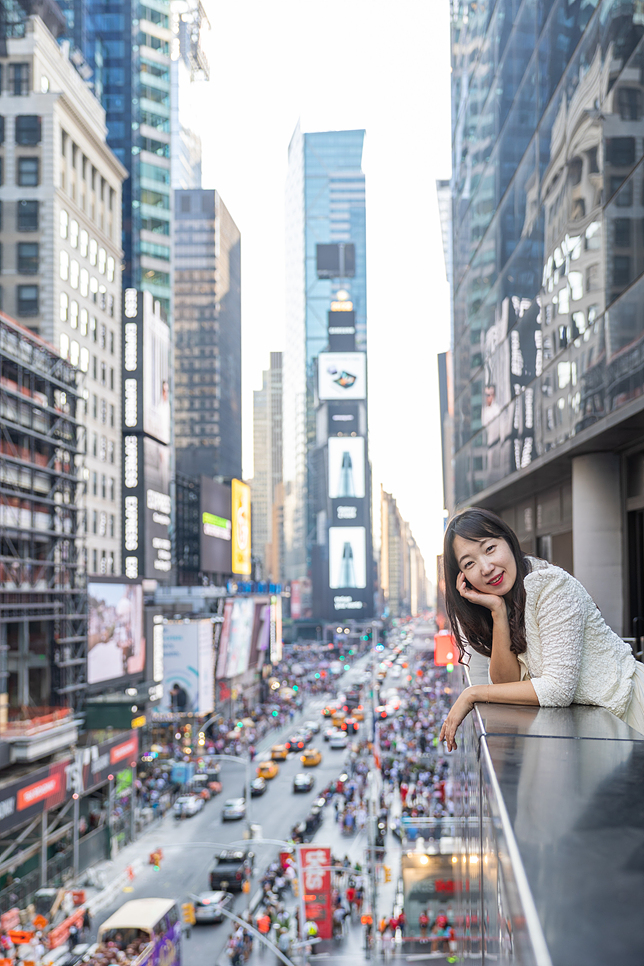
(325, 215)
(127, 46)
(548, 282)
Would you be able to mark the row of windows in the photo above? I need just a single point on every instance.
(98, 448)
(88, 247)
(106, 562)
(100, 522)
(27, 261)
(17, 79)
(102, 488)
(86, 324)
(87, 170)
(27, 172)
(100, 409)
(87, 286)
(27, 129)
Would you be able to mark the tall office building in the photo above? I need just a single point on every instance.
(126, 44)
(548, 105)
(403, 581)
(325, 377)
(61, 248)
(207, 328)
(266, 485)
(189, 65)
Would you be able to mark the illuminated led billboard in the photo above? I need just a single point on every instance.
(215, 522)
(115, 638)
(342, 375)
(240, 517)
(188, 675)
(146, 366)
(347, 557)
(346, 467)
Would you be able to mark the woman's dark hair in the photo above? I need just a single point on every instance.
(473, 621)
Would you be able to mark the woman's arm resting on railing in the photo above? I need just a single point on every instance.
(518, 692)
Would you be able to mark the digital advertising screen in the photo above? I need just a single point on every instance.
(188, 672)
(116, 638)
(240, 636)
(240, 517)
(158, 509)
(215, 527)
(346, 467)
(343, 418)
(342, 375)
(347, 557)
(156, 373)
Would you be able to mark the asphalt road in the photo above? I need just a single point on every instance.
(188, 845)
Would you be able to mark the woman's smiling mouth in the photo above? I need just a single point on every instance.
(496, 581)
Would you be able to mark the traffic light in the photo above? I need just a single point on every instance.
(188, 911)
(387, 870)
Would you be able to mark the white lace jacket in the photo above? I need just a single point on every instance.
(573, 656)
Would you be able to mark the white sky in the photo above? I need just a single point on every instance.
(339, 64)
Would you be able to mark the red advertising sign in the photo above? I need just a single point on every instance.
(128, 749)
(316, 876)
(445, 649)
(40, 791)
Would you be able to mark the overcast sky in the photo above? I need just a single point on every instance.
(341, 64)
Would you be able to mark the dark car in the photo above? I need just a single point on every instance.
(303, 783)
(296, 742)
(311, 823)
(229, 868)
(257, 787)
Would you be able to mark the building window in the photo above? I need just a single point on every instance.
(102, 455)
(93, 329)
(94, 405)
(112, 489)
(94, 444)
(73, 314)
(28, 258)
(84, 282)
(93, 251)
(104, 486)
(64, 224)
(103, 411)
(111, 343)
(95, 561)
(111, 420)
(111, 524)
(94, 483)
(84, 242)
(27, 300)
(74, 270)
(64, 265)
(111, 378)
(102, 256)
(103, 339)
(27, 129)
(102, 527)
(110, 450)
(73, 234)
(27, 216)
(64, 345)
(64, 306)
(94, 367)
(1, 130)
(28, 172)
(103, 374)
(19, 79)
(110, 269)
(94, 522)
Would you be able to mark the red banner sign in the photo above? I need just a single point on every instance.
(316, 877)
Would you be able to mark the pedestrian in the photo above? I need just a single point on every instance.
(402, 920)
(423, 923)
(533, 621)
(87, 923)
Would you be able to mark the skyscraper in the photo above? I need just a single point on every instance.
(325, 374)
(127, 46)
(268, 463)
(548, 279)
(207, 358)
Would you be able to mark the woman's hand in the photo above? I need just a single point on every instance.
(491, 601)
(460, 710)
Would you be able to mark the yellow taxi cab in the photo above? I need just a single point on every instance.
(310, 757)
(338, 718)
(268, 769)
(358, 714)
(279, 753)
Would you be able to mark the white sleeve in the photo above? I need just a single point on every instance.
(559, 616)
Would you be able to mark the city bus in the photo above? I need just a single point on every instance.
(148, 931)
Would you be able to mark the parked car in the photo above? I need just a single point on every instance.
(234, 810)
(257, 787)
(209, 905)
(187, 805)
(303, 783)
(230, 866)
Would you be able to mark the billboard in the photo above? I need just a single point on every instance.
(240, 636)
(347, 557)
(158, 507)
(346, 467)
(215, 522)
(344, 418)
(115, 640)
(336, 260)
(240, 517)
(342, 375)
(188, 671)
(316, 875)
(146, 366)
(342, 331)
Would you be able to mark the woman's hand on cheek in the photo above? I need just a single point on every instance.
(460, 710)
(491, 601)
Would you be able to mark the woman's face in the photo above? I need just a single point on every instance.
(488, 564)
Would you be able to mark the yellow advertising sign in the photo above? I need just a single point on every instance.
(240, 512)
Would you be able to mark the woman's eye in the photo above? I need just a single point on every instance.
(491, 547)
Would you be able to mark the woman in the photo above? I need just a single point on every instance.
(547, 642)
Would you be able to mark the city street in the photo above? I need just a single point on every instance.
(189, 844)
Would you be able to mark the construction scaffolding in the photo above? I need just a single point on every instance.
(43, 589)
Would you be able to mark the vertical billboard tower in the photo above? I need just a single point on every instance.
(147, 504)
(324, 378)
